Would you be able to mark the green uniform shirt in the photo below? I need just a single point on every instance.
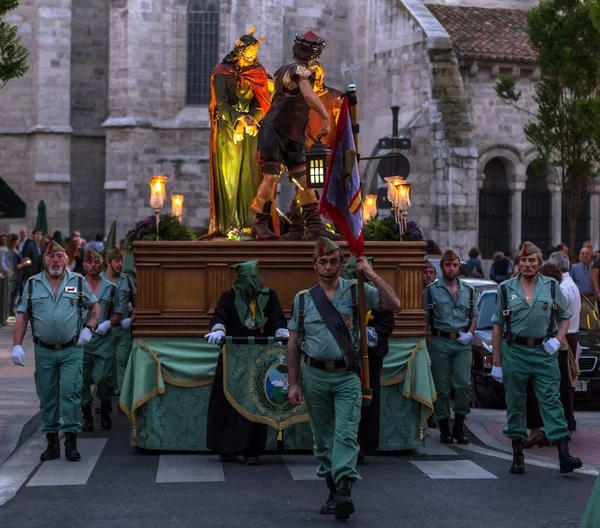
(55, 320)
(530, 320)
(449, 316)
(104, 294)
(319, 343)
(126, 293)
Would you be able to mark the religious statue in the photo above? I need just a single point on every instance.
(281, 138)
(240, 98)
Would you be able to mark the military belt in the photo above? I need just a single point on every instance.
(329, 366)
(56, 346)
(528, 341)
(453, 336)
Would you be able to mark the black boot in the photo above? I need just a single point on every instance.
(87, 424)
(567, 462)
(329, 507)
(518, 463)
(105, 410)
(445, 437)
(71, 452)
(431, 422)
(457, 430)
(52, 448)
(344, 507)
(262, 210)
(296, 230)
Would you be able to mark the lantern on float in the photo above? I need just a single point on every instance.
(398, 193)
(158, 195)
(369, 208)
(317, 158)
(177, 206)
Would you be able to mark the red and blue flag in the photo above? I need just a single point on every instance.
(341, 201)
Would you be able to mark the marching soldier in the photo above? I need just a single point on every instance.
(54, 301)
(331, 384)
(525, 341)
(126, 295)
(98, 359)
(451, 315)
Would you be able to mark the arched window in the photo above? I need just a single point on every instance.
(537, 208)
(202, 49)
(494, 210)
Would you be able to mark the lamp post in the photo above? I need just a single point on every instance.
(157, 197)
(369, 208)
(399, 196)
(317, 158)
(177, 206)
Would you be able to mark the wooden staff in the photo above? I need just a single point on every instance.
(367, 392)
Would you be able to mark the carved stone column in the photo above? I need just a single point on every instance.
(556, 214)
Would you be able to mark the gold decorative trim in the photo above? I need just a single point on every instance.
(279, 426)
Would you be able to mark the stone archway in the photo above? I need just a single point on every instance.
(494, 207)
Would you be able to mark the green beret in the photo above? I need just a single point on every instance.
(90, 255)
(324, 246)
(53, 247)
(449, 255)
(529, 248)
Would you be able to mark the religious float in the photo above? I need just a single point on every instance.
(170, 373)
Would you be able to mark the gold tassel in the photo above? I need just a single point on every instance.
(252, 307)
(421, 433)
(280, 435)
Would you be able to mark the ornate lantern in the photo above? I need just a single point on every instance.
(316, 165)
(177, 205)
(369, 208)
(399, 196)
(158, 195)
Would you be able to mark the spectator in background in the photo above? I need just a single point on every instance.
(74, 260)
(32, 255)
(597, 255)
(588, 244)
(581, 273)
(474, 263)
(549, 251)
(429, 273)
(14, 282)
(563, 248)
(5, 267)
(502, 268)
(57, 237)
(22, 238)
(96, 245)
(595, 274)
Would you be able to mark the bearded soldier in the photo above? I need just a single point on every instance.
(449, 305)
(54, 301)
(98, 354)
(530, 322)
(247, 309)
(126, 297)
(281, 138)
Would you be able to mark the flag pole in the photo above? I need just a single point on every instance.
(367, 392)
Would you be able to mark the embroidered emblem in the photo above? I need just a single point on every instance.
(347, 302)
(70, 289)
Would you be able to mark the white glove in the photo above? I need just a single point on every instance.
(85, 336)
(214, 338)
(282, 332)
(102, 328)
(464, 338)
(18, 355)
(497, 374)
(552, 346)
(126, 323)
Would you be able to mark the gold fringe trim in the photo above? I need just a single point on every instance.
(280, 426)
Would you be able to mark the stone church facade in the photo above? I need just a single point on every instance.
(117, 92)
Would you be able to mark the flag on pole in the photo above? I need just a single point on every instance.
(341, 201)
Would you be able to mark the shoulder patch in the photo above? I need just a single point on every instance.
(301, 291)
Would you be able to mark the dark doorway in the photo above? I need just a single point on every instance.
(583, 227)
(536, 218)
(494, 210)
(11, 205)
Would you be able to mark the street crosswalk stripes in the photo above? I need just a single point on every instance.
(452, 469)
(61, 472)
(189, 468)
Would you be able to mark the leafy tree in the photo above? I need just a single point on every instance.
(565, 127)
(13, 56)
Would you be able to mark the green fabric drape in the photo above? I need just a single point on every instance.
(591, 517)
(189, 362)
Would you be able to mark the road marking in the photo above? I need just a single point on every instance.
(61, 472)
(189, 468)
(453, 469)
(15, 471)
(436, 449)
(301, 467)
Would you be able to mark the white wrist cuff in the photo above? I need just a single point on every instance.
(218, 327)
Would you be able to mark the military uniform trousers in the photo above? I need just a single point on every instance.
(58, 382)
(333, 400)
(98, 358)
(122, 347)
(519, 364)
(450, 367)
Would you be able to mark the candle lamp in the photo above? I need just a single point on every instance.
(157, 197)
(399, 197)
(177, 206)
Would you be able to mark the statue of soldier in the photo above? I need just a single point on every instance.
(281, 138)
(54, 301)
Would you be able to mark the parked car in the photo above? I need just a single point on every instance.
(487, 392)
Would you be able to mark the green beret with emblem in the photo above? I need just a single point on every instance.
(53, 247)
(324, 246)
(90, 255)
(449, 255)
(529, 248)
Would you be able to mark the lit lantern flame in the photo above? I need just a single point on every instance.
(369, 208)
(157, 191)
(399, 195)
(177, 206)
